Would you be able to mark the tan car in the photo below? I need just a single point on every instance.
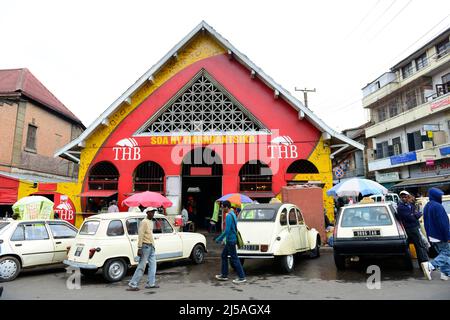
(30, 243)
(109, 242)
(276, 231)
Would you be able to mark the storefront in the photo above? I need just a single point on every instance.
(16, 186)
(424, 176)
(203, 122)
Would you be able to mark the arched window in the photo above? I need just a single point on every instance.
(103, 176)
(255, 176)
(302, 166)
(149, 176)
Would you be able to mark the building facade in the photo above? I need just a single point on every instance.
(203, 122)
(410, 120)
(34, 125)
(352, 162)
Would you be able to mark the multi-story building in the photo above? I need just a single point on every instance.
(409, 110)
(34, 124)
(352, 162)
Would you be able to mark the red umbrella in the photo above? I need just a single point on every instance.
(147, 199)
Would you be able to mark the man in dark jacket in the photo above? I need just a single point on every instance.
(437, 227)
(408, 216)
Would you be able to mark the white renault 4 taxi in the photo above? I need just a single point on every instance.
(369, 230)
(276, 231)
(109, 242)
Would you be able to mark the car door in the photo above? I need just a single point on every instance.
(294, 228)
(132, 225)
(304, 241)
(32, 243)
(168, 243)
(63, 236)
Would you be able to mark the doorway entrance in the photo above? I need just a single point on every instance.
(201, 185)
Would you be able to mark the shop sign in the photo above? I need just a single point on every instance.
(387, 177)
(440, 104)
(65, 209)
(283, 147)
(445, 151)
(209, 139)
(440, 167)
(402, 158)
(127, 149)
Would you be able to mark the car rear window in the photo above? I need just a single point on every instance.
(257, 215)
(365, 217)
(89, 228)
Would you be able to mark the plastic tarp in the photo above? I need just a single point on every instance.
(33, 207)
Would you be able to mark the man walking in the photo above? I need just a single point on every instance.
(410, 219)
(146, 253)
(437, 227)
(230, 236)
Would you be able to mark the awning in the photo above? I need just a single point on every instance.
(439, 180)
(98, 193)
(8, 190)
(259, 194)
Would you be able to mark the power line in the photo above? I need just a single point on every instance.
(390, 21)
(379, 17)
(362, 20)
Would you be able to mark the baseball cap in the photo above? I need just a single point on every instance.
(150, 209)
(405, 192)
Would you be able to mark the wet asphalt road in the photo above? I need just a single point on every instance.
(311, 279)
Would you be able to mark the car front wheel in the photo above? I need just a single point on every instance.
(198, 254)
(115, 270)
(286, 263)
(9, 268)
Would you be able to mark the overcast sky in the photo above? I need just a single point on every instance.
(87, 53)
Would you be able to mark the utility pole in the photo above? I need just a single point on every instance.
(305, 94)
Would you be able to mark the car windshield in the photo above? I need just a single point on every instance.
(260, 214)
(366, 216)
(90, 228)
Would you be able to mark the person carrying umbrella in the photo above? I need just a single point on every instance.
(230, 237)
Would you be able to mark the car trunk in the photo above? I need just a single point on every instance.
(79, 252)
(256, 233)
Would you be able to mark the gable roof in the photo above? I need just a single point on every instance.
(21, 82)
(203, 26)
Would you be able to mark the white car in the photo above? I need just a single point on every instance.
(391, 198)
(369, 230)
(276, 231)
(30, 243)
(109, 242)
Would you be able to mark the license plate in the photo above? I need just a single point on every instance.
(78, 251)
(365, 233)
(250, 247)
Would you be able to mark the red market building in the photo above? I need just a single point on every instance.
(203, 122)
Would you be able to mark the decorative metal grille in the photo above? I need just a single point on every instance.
(149, 176)
(103, 176)
(255, 176)
(203, 107)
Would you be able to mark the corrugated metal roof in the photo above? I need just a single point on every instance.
(34, 178)
(22, 81)
(203, 26)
